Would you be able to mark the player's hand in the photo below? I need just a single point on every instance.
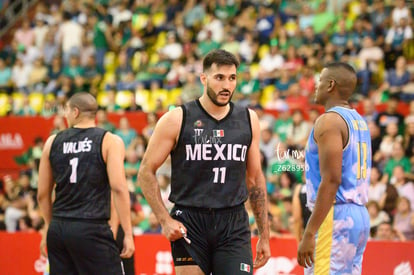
(173, 229)
(129, 247)
(262, 253)
(306, 250)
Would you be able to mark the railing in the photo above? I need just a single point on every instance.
(13, 13)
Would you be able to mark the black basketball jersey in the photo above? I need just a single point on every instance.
(82, 185)
(209, 161)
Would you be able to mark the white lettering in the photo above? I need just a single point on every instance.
(208, 151)
(11, 141)
(236, 146)
(77, 146)
(219, 152)
(193, 155)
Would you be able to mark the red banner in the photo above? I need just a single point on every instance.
(19, 254)
(17, 135)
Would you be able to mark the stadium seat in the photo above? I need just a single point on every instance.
(173, 95)
(142, 98)
(108, 78)
(139, 21)
(102, 99)
(36, 100)
(18, 100)
(161, 41)
(4, 104)
(136, 61)
(254, 70)
(50, 97)
(160, 94)
(267, 95)
(110, 62)
(158, 19)
(124, 98)
(263, 50)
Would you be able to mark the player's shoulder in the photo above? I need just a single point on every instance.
(329, 119)
(172, 117)
(111, 139)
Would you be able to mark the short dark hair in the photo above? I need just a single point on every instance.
(341, 65)
(85, 102)
(219, 57)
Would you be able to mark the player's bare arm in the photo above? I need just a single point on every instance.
(45, 189)
(161, 143)
(330, 134)
(297, 213)
(114, 154)
(256, 186)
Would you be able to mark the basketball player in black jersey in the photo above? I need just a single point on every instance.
(83, 164)
(215, 160)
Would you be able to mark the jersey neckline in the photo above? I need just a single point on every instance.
(213, 118)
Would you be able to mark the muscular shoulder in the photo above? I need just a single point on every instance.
(171, 121)
(330, 122)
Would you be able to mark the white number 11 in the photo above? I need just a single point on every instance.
(217, 171)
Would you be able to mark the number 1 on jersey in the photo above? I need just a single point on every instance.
(219, 173)
(74, 163)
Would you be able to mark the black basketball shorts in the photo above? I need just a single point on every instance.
(82, 248)
(220, 240)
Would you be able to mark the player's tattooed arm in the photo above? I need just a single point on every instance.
(258, 203)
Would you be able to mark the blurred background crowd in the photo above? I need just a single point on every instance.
(146, 55)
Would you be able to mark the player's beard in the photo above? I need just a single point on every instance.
(213, 97)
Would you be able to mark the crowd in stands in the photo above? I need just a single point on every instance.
(146, 55)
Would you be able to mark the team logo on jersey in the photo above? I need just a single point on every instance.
(198, 123)
(218, 133)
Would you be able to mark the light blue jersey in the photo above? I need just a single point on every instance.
(343, 235)
(356, 162)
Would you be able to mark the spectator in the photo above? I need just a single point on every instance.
(369, 112)
(40, 31)
(400, 10)
(376, 189)
(283, 122)
(173, 50)
(58, 125)
(103, 122)
(385, 232)
(147, 131)
(397, 159)
(376, 216)
(126, 133)
(74, 69)
(297, 132)
(101, 39)
(390, 115)
(268, 143)
(404, 187)
(71, 34)
(387, 143)
(369, 58)
(24, 35)
(270, 65)
(409, 136)
(404, 218)
(20, 75)
(38, 76)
